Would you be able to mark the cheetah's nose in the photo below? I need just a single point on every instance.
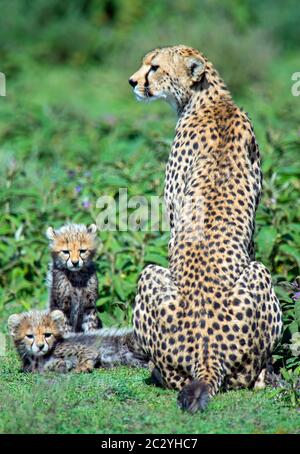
(40, 346)
(132, 82)
(75, 263)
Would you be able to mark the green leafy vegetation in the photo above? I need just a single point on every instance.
(71, 132)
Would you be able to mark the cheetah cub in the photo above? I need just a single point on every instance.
(41, 342)
(72, 278)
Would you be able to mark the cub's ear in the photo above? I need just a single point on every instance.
(59, 319)
(50, 233)
(92, 229)
(13, 322)
(57, 316)
(196, 68)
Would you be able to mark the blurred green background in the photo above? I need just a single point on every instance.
(71, 131)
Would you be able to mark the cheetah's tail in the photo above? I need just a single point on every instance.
(194, 396)
(120, 347)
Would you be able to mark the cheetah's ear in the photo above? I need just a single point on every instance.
(50, 233)
(196, 68)
(57, 315)
(13, 322)
(59, 318)
(92, 229)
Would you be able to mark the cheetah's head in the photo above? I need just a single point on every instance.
(73, 246)
(36, 332)
(173, 74)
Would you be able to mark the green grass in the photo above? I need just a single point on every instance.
(62, 127)
(121, 401)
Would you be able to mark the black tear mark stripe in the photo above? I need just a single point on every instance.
(146, 86)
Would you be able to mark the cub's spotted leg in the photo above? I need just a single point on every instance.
(62, 365)
(90, 320)
(68, 328)
(73, 356)
(85, 365)
(86, 359)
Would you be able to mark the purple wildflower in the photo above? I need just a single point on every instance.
(296, 296)
(86, 204)
(78, 189)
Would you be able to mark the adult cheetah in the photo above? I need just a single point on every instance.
(212, 319)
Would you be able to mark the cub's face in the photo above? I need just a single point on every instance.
(36, 332)
(169, 73)
(72, 246)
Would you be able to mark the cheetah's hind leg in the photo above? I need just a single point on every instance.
(156, 301)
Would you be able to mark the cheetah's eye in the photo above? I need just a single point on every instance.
(65, 252)
(47, 335)
(29, 336)
(154, 68)
(82, 251)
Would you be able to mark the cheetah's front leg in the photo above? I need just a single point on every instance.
(90, 320)
(61, 365)
(85, 365)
